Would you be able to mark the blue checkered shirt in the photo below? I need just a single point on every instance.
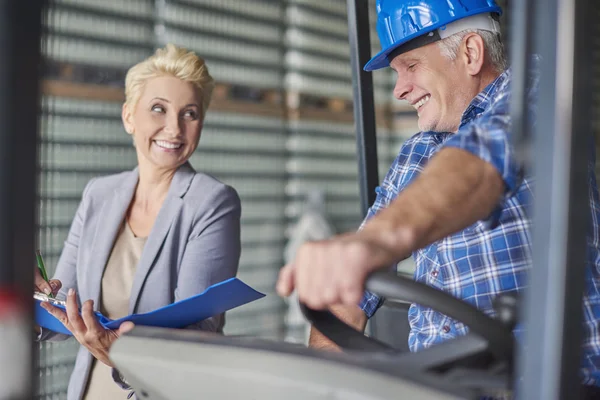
(493, 255)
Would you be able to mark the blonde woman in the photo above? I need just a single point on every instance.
(146, 238)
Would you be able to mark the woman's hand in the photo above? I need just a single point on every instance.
(40, 285)
(86, 328)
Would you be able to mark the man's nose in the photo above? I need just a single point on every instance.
(402, 89)
(403, 85)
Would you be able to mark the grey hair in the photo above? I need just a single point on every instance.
(492, 41)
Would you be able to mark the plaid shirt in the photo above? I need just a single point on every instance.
(491, 256)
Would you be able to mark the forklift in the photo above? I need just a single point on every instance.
(177, 364)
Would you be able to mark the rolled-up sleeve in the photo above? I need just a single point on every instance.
(488, 137)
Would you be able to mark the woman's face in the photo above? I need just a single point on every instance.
(166, 123)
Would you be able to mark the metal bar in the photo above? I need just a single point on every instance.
(316, 31)
(121, 42)
(330, 14)
(224, 11)
(549, 366)
(240, 37)
(364, 106)
(20, 36)
(521, 45)
(97, 12)
(330, 76)
(322, 53)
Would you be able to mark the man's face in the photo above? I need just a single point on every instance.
(439, 88)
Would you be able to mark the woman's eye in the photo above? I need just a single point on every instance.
(158, 108)
(411, 67)
(191, 114)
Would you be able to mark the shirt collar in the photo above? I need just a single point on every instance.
(483, 99)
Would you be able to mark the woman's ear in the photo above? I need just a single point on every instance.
(127, 118)
(473, 53)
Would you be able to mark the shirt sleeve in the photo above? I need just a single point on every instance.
(370, 303)
(488, 137)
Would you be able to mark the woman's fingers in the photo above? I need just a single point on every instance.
(39, 283)
(56, 285)
(57, 313)
(92, 326)
(73, 314)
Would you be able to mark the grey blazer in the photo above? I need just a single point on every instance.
(194, 243)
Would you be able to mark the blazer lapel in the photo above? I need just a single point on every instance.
(164, 220)
(113, 213)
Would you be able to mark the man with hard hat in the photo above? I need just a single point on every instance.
(455, 197)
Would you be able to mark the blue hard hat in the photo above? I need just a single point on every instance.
(401, 21)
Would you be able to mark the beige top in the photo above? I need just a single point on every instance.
(114, 303)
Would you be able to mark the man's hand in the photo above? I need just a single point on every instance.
(333, 272)
(86, 328)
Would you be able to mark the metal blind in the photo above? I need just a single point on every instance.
(322, 137)
(318, 83)
(241, 42)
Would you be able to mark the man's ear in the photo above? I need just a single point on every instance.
(473, 53)
(127, 118)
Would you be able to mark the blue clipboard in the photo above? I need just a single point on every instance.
(215, 300)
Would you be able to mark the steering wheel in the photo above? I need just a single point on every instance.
(496, 332)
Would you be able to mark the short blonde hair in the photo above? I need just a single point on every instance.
(170, 61)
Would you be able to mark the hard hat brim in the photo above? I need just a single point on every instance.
(380, 60)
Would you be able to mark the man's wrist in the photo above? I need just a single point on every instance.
(318, 341)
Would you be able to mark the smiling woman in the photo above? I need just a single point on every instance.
(166, 122)
(166, 99)
(146, 238)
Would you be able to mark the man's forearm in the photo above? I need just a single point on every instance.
(353, 316)
(455, 190)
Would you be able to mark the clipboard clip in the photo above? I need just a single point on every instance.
(44, 297)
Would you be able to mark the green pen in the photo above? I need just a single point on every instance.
(40, 264)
